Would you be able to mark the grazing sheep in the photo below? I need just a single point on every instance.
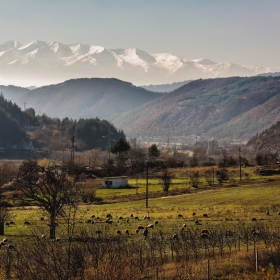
(97, 218)
(197, 222)
(43, 236)
(57, 239)
(278, 213)
(204, 235)
(108, 221)
(205, 231)
(180, 216)
(127, 220)
(42, 219)
(182, 229)
(5, 240)
(2, 243)
(254, 219)
(156, 222)
(118, 232)
(11, 247)
(267, 213)
(184, 225)
(193, 214)
(120, 218)
(141, 227)
(109, 216)
(205, 216)
(136, 218)
(127, 232)
(145, 232)
(150, 226)
(131, 215)
(7, 224)
(255, 232)
(175, 236)
(26, 223)
(92, 222)
(12, 223)
(93, 216)
(88, 221)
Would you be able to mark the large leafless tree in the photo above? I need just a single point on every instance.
(50, 188)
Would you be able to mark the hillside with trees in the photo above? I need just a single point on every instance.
(220, 108)
(84, 98)
(235, 107)
(50, 134)
(56, 134)
(11, 124)
(266, 142)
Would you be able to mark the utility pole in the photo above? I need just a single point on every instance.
(147, 183)
(240, 173)
(213, 169)
(109, 142)
(1, 210)
(72, 149)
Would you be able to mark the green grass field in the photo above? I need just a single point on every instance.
(223, 205)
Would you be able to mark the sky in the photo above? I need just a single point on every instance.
(239, 31)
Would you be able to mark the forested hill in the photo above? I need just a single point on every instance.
(51, 133)
(267, 141)
(11, 124)
(89, 133)
(84, 98)
(233, 107)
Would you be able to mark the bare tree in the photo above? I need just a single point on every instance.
(194, 179)
(166, 179)
(50, 188)
(7, 173)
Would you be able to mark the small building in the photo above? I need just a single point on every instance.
(115, 182)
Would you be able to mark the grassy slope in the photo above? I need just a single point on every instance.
(242, 202)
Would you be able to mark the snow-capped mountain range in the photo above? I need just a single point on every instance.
(42, 63)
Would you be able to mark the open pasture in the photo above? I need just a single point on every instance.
(221, 205)
(225, 225)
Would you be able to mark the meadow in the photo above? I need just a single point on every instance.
(240, 219)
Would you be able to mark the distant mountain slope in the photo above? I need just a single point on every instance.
(42, 63)
(225, 107)
(165, 87)
(267, 141)
(84, 98)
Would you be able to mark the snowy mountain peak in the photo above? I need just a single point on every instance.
(204, 61)
(58, 62)
(10, 45)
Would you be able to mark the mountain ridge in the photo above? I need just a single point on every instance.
(235, 107)
(49, 62)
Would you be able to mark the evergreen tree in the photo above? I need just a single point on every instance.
(153, 151)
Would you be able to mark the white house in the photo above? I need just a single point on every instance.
(114, 182)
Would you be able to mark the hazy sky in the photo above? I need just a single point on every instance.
(240, 31)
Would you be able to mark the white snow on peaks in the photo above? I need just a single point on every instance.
(170, 62)
(131, 57)
(204, 61)
(10, 45)
(79, 49)
(96, 49)
(136, 65)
